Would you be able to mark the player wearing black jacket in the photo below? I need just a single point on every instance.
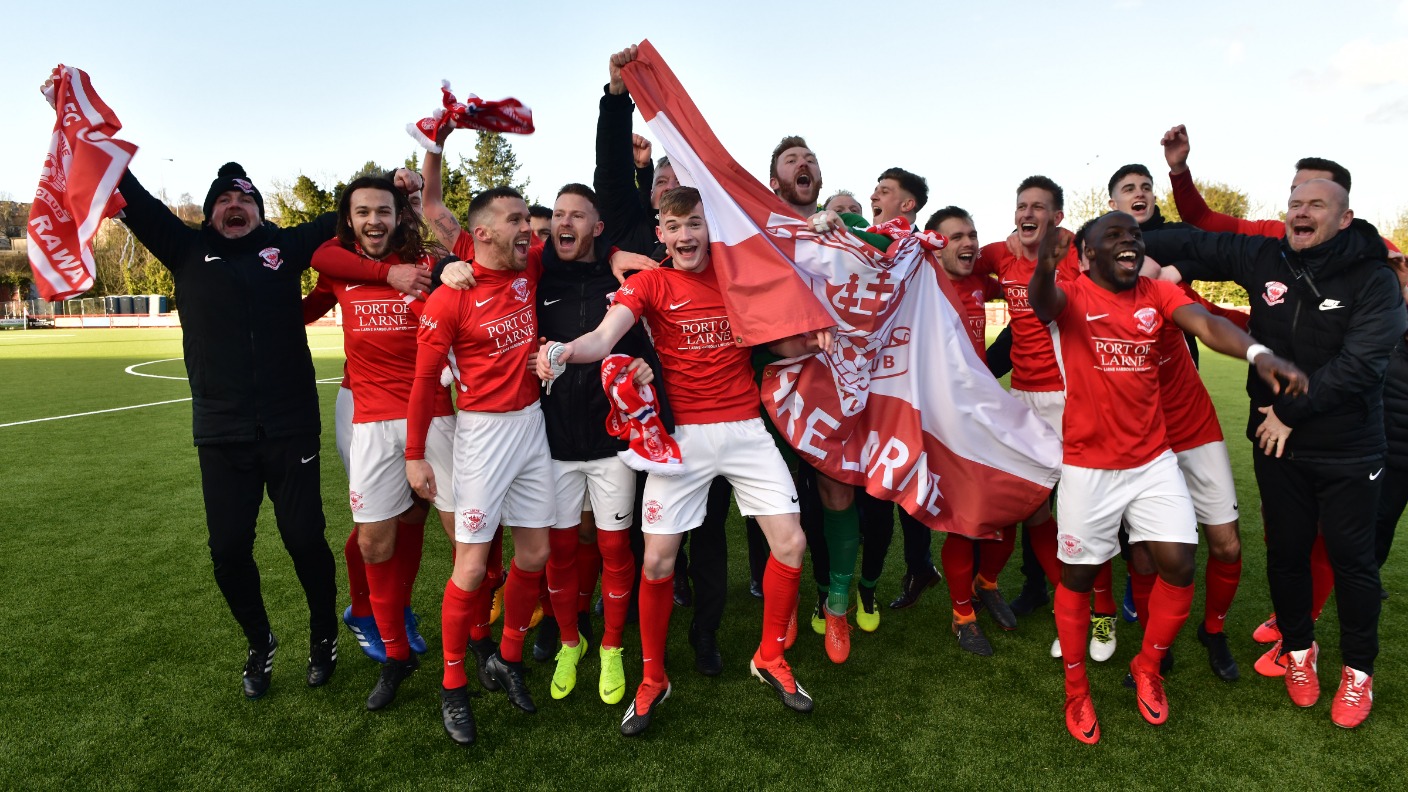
(1323, 298)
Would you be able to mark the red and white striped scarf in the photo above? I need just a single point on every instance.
(78, 186)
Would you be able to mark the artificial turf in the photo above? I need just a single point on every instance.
(121, 664)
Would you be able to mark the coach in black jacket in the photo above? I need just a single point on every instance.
(1323, 298)
(254, 399)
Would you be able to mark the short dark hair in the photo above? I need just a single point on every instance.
(1058, 196)
(1339, 174)
(791, 141)
(481, 202)
(910, 183)
(946, 213)
(406, 240)
(584, 191)
(1123, 172)
(679, 201)
(1082, 231)
(538, 210)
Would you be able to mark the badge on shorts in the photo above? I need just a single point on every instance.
(1070, 545)
(472, 520)
(652, 511)
(356, 499)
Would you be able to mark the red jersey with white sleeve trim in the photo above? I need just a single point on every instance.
(1109, 353)
(1034, 367)
(708, 377)
(1189, 415)
(379, 338)
(974, 291)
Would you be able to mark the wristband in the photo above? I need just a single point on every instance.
(555, 362)
(1254, 350)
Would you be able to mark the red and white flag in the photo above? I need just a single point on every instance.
(903, 407)
(78, 186)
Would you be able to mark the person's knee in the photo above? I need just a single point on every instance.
(1079, 578)
(1224, 543)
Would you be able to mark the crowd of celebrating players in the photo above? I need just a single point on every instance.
(473, 386)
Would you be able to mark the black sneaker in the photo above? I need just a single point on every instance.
(1219, 655)
(509, 676)
(778, 676)
(997, 607)
(707, 659)
(482, 651)
(322, 661)
(545, 644)
(1031, 598)
(393, 673)
(258, 668)
(454, 712)
(684, 595)
(972, 640)
(637, 717)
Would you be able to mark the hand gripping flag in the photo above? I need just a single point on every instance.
(78, 186)
(633, 418)
(902, 406)
(504, 115)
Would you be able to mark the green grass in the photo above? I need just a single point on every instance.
(121, 664)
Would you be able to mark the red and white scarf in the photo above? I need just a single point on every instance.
(633, 418)
(78, 186)
(504, 115)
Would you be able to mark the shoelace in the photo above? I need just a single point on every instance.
(1103, 628)
(1297, 671)
(1354, 694)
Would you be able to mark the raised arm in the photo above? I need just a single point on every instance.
(1222, 336)
(590, 347)
(153, 223)
(442, 221)
(1201, 255)
(1047, 299)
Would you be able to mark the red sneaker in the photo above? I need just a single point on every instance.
(1354, 699)
(1273, 663)
(1149, 695)
(647, 699)
(1080, 719)
(838, 637)
(1267, 631)
(1301, 682)
(778, 676)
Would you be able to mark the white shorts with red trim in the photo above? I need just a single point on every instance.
(1152, 499)
(376, 479)
(1208, 473)
(342, 425)
(1049, 406)
(605, 487)
(503, 473)
(741, 451)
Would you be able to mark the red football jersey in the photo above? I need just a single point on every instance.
(1110, 357)
(1034, 367)
(974, 291)
(1189, 416)
(708, 378)
(379, 339)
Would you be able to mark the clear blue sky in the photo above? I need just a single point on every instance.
(974, 96)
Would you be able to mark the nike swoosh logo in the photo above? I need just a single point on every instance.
(1153, 713)
(1090, 318)
(546, 303)
(478, 304)
(612, 691)
(1090, 732)
(620, 517)
(352, 286)
(783, 638)
(616, 596)
(1072, 665)
(677, 306)
(309, 459)
(455, 662)
(212, 258)
(794, 498)
(1158, 648)
(552, 590)
(1376, 475)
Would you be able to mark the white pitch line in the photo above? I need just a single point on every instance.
(153, 376)
(6, 336)
(94, 412)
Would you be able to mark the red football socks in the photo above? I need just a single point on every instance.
(410, 542)
(992, 556)
(588, 570)
(454, 628)
(357, 577)
(388, 607)
(562, 580)
(1220, 582)
(494, 567)
(1168, 610)
(1044, 547)
(780, 584)
(957, 559)
(1073, 628)
(1104, 596)
(520, 596)
(618, 568)
(1142, 586)
(657, 601)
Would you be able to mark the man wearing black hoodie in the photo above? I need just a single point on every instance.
(1324, 298)
(254, 399)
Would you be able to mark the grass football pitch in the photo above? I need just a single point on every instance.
(121, 663)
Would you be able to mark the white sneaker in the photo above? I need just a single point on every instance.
(1056, 647)
(1102, 638)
